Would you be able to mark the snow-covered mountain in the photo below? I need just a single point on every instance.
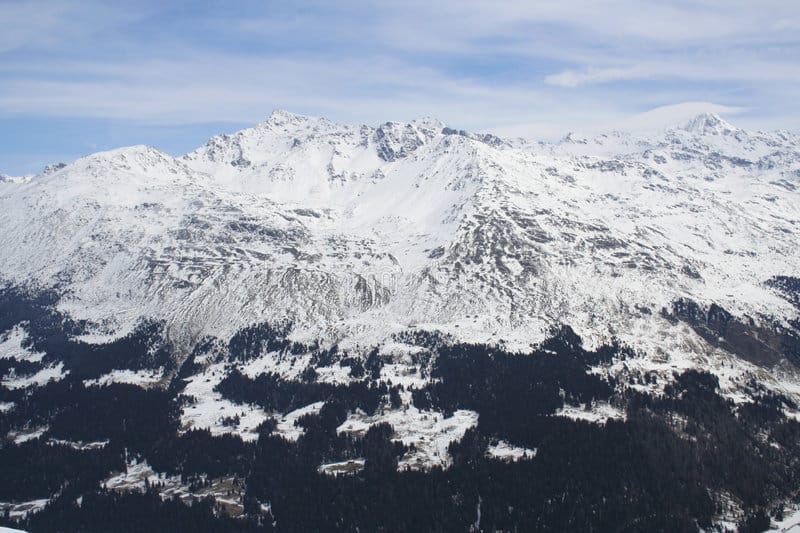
(304, 280)
(13, 179)
(355, 232)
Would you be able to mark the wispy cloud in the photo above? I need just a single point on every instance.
(742, 69)
(574, 78)
(475, 64)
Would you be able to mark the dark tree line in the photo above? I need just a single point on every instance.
(659, 469)
(36, 469)
(102, 512)
(274, 393)
(510, 392)
(51, 332)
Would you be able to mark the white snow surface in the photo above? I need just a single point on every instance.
(430, 433)
(506, 451)
(136, 377)
(20, 436)
(11, 346)
(50, 373)
(79, 445)
(342, 467)
(356, 232)
(789, 524)
(19, 510)
(287, 427)
(209, 409)
(599, 413)
(134, 477)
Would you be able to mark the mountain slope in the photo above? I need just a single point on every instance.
(355, 232)
(428, 315)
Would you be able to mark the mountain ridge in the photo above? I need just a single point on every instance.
(310, 304)
(404, 223)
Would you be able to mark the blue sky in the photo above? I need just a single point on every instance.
(77, 77)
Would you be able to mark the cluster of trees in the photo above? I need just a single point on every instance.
(751, 451)
(53, 333)
(643, 473)
(658, 469)
(253, 341)
(127, 415)
(273, 393)
(36, 469)
(513, 393)
(198, 452)
(19, 367)
(103, 511)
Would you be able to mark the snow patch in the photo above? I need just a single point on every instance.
(11, 345)
(8, 529)
(508, 452)
(789, 524)
(138, 476)
(20, 436)
(429, 433)
(42, 377)
(598, 413)
(286, 366)
(142, 378)
(20, 510)
(286, 427)
(79, 445)
(210, 410)
(343, 467)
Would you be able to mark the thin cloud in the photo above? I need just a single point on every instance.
(477, 65)
(573, 78)
(740, 69)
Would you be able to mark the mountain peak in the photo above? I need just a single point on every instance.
(138, 159)
(283, 114)
(429, 123)
(398, 139)
(137, 152)
(52, 168)
(709, 124)
(281, 117)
